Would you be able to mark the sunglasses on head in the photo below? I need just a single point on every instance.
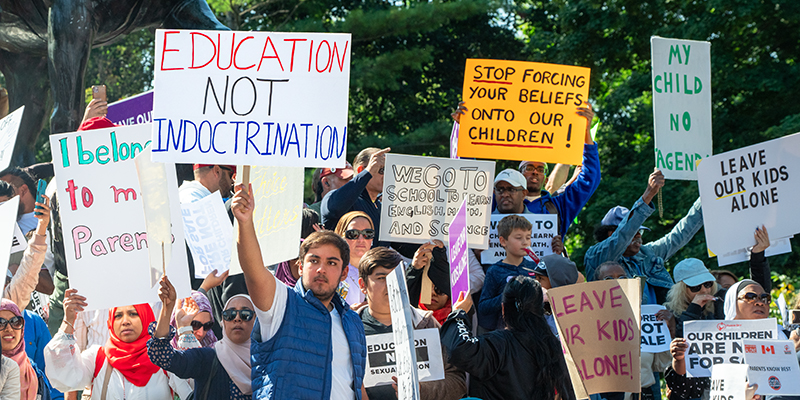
(353, 234)
(695, 289)
(15, 322)
(752, 298)
(196, 325)
(245, 315)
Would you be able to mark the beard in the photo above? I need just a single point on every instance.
(322, 288)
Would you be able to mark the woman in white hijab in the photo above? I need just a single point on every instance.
(222, 372)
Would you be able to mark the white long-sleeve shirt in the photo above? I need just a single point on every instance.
(69, 368)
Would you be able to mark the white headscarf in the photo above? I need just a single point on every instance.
(235, 358)
(732, 297)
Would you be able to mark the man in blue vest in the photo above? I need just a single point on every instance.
(307, 344)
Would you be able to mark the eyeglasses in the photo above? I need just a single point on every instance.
(695, 289)
(531, 168)
(245, 315)
(196, 325)
(611, 277)
(353, 234)
(511, 190)
(752, 298)
(16, 323)
(233, 174)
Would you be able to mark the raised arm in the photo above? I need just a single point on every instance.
(27, 277)
(260, 282)
(759, 266)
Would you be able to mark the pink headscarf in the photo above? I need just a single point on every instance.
(204, 305)
(29, 383)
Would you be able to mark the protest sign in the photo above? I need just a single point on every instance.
(545, 227)
(720, 342)
(681, 105)
(459, 260)
(133, 110)
(157, 216)
(403, 334)
(105, 237)
(422, 194)
(743, 189)
(209, 234)
(278, 216)
(381, 357)
(253, 98)
(773, 366)
(518, 110)
(728, 382)
(597, 323)
(777, 246)
(9, 127)
(8, 214)
(18, 243)
(655, 333)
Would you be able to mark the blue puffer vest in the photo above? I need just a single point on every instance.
(296, 362)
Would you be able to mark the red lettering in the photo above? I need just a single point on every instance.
(601, 331)
(336, 54)
(601, 301)
(164, 50)
(219, 50)
(275, 56)
(330, 59)
(294, 42)
(585, 302)
(71, 190)
(614, 303)
(212, 45)
(237, 50)
(568, 308)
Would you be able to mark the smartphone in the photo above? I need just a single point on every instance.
(99, 92)
(40, 189)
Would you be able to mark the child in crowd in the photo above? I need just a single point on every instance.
(515, 236)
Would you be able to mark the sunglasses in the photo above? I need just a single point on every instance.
(233, 174)
(353, 234)
(16, 323)
(245, 315)
(608, 278)
(751, 298)
(695, 289)
(196, 325)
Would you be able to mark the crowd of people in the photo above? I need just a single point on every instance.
(299, 329)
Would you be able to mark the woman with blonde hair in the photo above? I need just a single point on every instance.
(357, 229)
(694, 294)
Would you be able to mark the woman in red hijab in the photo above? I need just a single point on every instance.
(119, 370)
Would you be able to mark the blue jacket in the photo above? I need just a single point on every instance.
(296, 362)
(36, 338)
(650, 260)
(575, 196)
(490, 315)
(352, 196)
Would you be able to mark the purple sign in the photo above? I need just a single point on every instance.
(459, 270)
(133, 110)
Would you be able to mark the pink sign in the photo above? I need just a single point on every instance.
(459, 271)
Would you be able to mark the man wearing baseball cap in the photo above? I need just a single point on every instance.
(327, 179)
(208, 178)
(620, 240)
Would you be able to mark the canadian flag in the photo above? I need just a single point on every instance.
(767, 349)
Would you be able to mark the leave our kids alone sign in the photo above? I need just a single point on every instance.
(523, 110)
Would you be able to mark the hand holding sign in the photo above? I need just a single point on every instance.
(654, 183)
(243, 204)
(762, 239)
(73, 303)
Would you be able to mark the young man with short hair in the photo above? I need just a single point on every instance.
(307, 344)
(514, 233)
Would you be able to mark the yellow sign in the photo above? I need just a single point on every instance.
(525, 111)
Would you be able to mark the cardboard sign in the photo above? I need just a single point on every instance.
(728, 382)
(8, 214)
(655, 333)
(773, 366)
(9, 127)
(518, 110)
(381, 358)
(209, 233)
(18, 243)
(133, 110)
(681, 105)
(105, 237)
(597, 323)
(720, 342)
(749, 187)
(459, 260)
(422, 194)
(403, 334)
(253, 98)
(545, 227)
(777, 246)
(278, 216)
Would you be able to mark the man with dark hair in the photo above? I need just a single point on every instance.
(360, 193)
(376, 316)
(307, 343)
(25, 187)
(326, 180)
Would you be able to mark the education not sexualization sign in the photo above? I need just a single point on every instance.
(253, 98)
(519, 110)
(105, 237)
(681, 105)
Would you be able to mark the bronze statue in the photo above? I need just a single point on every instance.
(45, 45)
